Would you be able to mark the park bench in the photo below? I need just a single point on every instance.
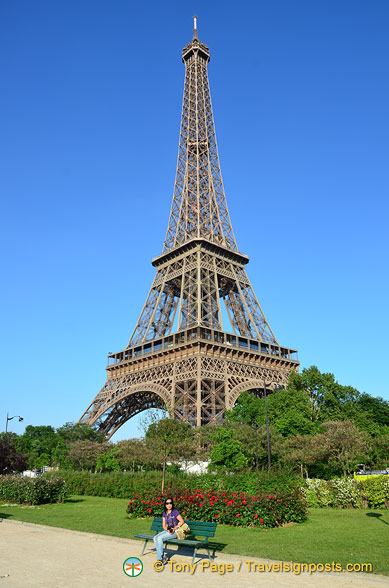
(197, 529)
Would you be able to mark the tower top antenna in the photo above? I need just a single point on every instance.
(195, 27)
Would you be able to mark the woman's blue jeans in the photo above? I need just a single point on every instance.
(159, 539)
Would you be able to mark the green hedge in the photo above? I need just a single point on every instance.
(41, 490)
(230, 508)
(124, 484)
(347, 493)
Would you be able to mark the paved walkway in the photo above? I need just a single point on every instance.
(37, 555)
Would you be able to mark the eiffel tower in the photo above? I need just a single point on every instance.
(202, 337)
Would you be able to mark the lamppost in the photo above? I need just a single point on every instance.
(10, 419)
(267, 428)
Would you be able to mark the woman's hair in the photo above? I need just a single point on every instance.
(164, 504)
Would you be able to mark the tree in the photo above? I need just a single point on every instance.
(108, 461)
(345, 445)
(70, 432)
(131, 453)
(10, 459)
(83, 453)
(169, 439)
(249, 410)
(329, 400)
(379, 451)
(227, 454)
(302, 451)
(371, 414)
(38, 444)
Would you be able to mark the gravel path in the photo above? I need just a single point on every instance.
(37, 555)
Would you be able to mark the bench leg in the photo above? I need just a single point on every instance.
(144, 546)
(194, 555)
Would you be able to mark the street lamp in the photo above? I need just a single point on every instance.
(10, 419)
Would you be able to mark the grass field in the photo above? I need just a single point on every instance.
(344, 536)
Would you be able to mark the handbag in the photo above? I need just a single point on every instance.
(183, 531)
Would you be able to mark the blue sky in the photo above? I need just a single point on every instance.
(90, 106)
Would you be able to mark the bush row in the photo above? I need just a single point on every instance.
(230, 508)
(341, 492)
(347, 493)
(42, 490)
(123, 484)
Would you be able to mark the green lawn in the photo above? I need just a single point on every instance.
(344, 536)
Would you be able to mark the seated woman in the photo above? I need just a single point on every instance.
(171, 520)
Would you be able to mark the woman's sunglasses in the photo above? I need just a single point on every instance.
(168, 502)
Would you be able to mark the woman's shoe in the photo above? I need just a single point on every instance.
(165, 559)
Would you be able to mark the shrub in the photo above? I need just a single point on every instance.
(318, 493)
(122, 484)
(375, 492)
(231, 508)
(347, 493)
(40, 490)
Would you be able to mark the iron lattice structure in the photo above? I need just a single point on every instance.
(202, 337)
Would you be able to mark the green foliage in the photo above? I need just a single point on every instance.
(84, 453)
(39, 490)
(113, 484)
(318, 428)
(122, 484)
(70, 432)
(230, 508)
(344, 445)
(169, 439)
(45, 446)
(375, 492)
(329, 400)
(347, 493)
(318, 493)
(37, 442)
(108, 462)
(226, 455)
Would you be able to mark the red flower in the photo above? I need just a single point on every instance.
(201, 504)
(216, 516)
(261, 520)
(238, 515)
(149, 510)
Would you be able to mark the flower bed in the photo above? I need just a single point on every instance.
(229, 508)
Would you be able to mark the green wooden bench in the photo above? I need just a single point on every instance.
(197, 529)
